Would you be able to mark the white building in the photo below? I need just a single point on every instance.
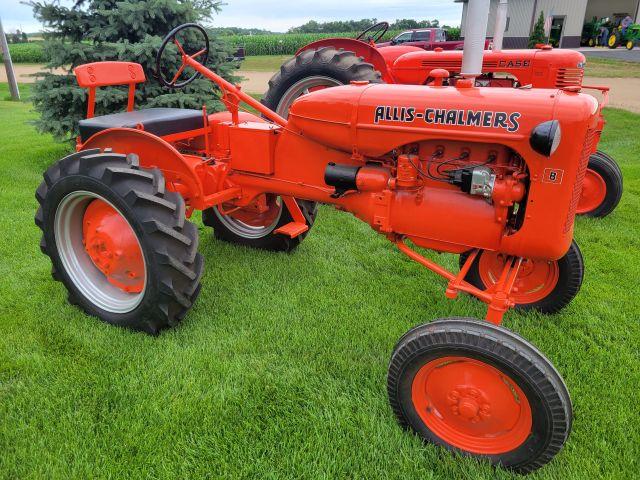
(568, 18)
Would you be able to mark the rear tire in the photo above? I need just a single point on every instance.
(602, 188)
(167, 242)
(229, 230)
(565, 279)
(480, 390)
(324, 67)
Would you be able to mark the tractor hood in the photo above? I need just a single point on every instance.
(376, 119)
(543, 67)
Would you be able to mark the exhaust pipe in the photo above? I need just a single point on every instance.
(501, 24)
(475, 33)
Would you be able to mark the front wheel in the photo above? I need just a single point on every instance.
(543, 285)
(255, 225)
(480, 390)
(118, 240)
(614, 40)
(601, 188)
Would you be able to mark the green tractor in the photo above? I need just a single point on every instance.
(628, 36)
(591, 32)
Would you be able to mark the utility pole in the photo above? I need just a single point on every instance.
(8, 65)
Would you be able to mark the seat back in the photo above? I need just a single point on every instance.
(103, 74)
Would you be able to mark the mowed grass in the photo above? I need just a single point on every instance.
(263, 63)
(611, 68)
(279, 369)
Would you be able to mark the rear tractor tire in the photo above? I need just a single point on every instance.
(544, 286)
(257, 230)
(601, 188)
(480, 390)
(313, 70)
(118, 241)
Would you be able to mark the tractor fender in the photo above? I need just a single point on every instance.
(361, 49)
(179, 170)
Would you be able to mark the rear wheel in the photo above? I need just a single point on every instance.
(313, 70)
(254, 226)
(118, 241)
(614, 40)
(601, 188)
(481, 390)
(543, 285)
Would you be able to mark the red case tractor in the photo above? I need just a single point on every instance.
(338, 61)
(491, 174)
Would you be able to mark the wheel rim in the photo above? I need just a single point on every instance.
(591, 42)
(594, 191)
(471, 405)
(252, 223)
(100, 252)
(536, 279)
(629, 45)
(303, 87)
(612, 40)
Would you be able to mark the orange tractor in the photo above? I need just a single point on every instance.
(493, 175)
(338, 61)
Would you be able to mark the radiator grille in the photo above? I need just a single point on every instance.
(447, 65)
(569, 77)
(577, 187)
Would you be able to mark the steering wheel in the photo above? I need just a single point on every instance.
(172, 38)
(376, 32)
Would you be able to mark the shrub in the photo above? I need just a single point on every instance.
(123, 30)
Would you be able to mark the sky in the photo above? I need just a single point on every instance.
(280, 15)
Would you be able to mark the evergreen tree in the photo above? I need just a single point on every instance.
(123, 30)
(537, 35)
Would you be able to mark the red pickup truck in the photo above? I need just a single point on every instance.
(427, 38)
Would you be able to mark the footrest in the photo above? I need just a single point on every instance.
(293, 229)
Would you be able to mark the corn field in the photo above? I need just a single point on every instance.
(285, 43)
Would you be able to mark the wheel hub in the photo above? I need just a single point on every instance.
(471, 405)
(113, 246)
(536, 279)
(594, 191)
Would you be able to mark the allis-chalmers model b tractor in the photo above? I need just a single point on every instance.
(493, 175)
(338, 61)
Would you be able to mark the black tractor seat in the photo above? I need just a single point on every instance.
(158, 121)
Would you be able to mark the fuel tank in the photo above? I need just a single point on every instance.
(542, 68)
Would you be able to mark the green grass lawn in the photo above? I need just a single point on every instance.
(611, 68)
(263, 63)
(279, 369)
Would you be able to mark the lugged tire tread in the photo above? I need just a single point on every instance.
(174, 241)
(327, 61)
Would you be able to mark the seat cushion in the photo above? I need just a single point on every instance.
(159, 121)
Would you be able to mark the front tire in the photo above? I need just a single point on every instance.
(313, 70)
(480, 390)
(601, 188)
(118, 241)
(545, 286)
